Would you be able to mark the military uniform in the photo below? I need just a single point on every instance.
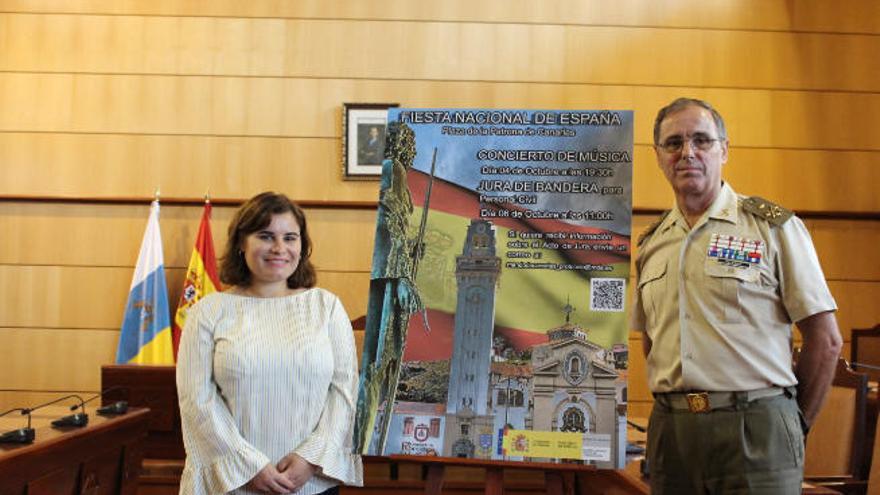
(717, 302)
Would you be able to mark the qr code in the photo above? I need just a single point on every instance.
(606, 294)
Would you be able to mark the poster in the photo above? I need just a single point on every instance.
(496, 324)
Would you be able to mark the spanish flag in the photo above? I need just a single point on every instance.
(201, 275)
(529, 302)
(145, 337)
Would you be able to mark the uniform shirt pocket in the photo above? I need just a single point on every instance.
(725, 286)
(652, 284)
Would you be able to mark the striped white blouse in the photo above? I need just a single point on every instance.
(259, 378)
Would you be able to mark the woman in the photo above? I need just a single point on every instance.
(266, 372)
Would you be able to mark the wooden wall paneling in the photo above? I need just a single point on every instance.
(432, 50)
(857, 305)
(856, 301)
(639, 411)
(25, 398)
(846, 351)
(110, 235)
(113, 165)
(352, 288)
(359, 344)
(310, 107)
(854, 16)
(47, 363)
(243, 97)
(13, 393)
(638, 390)
(55, 359)
(637, 375)
(848, 249)
(343, 239)
(63, 297)
(108, 165)
(95, 235)
(94, 297)
(640, 222)
(803, 180)
(120, 227)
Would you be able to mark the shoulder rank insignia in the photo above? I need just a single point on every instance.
(651, 228)
(771, 212)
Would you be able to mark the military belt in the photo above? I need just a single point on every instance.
(703, 402)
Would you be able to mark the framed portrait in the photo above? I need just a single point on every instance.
(363, 139)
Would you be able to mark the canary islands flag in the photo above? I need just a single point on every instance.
(201, 275)
(146, 327)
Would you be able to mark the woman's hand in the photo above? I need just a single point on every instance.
(269, 480)
(297, 470)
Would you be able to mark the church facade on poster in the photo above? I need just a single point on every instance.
(566, 384)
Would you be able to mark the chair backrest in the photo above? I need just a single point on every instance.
(836, 443)
(865, 351)
(358, 324)
(874, 476)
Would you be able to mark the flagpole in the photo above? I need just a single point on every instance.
(201, 274)
(145, 334)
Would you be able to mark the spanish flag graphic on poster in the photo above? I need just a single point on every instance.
(146, 326)
(201, 275)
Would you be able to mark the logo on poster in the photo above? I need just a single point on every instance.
(421, 433)
(485, 441)
(520, 443)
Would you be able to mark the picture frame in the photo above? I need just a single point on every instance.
(363, 139)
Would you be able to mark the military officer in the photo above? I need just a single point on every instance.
(720, 280)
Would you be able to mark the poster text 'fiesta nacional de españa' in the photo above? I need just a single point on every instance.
(496, 325)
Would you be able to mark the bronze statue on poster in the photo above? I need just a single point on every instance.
(394, 296)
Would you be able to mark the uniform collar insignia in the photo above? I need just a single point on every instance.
(724, 207)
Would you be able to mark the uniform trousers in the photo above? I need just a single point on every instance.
(745, 447)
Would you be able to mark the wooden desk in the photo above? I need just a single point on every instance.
(153, 387)
(101, 458)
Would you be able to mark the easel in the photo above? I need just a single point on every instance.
(560, 478)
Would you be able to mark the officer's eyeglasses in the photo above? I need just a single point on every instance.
(676, 143)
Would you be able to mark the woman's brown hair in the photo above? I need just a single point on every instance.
(253, 216)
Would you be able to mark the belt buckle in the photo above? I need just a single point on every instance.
(698, 402)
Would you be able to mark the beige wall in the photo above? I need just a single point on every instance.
(102, 100)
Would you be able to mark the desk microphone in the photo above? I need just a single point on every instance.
(637, 426)
(118, 407)
(77, 419)
(21, 435)
(854, 365)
